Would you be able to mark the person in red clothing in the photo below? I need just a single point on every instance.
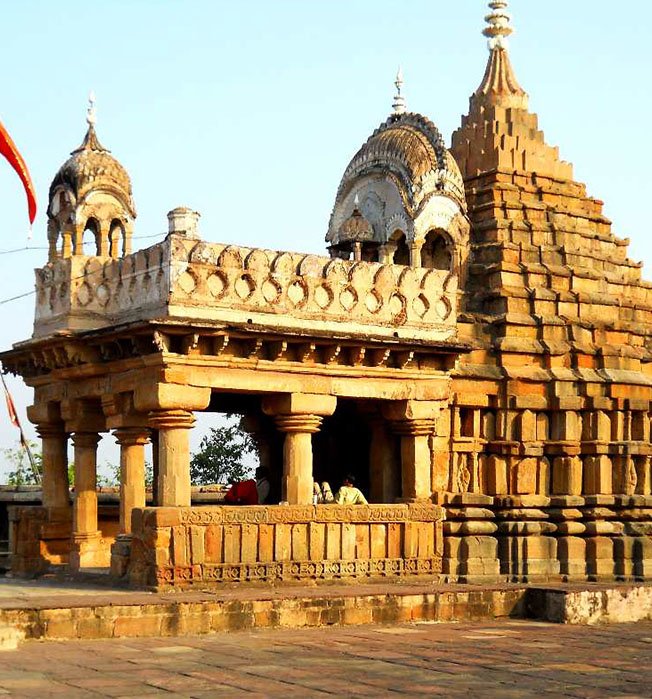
(242, 493)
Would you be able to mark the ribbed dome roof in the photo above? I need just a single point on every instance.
(412, 148)
(91, 166)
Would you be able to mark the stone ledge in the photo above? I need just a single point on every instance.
(140, 615)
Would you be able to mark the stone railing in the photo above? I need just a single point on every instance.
(185, 546)
(191, 279)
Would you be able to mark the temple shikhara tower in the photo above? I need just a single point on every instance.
(476, 347)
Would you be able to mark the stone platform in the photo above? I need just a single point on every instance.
(49, 609)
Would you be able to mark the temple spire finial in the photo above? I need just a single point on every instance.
(399, 104)
(91, 141)
(499, 86)
(91, 113)
(498, 25)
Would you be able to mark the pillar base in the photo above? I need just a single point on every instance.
(88, 550)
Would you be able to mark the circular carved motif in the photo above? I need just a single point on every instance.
(443, 308)
(323, 296)
(348, 298)
(84, 294)
(396, 304)
(421, 305)
(187, 282)
(103, 294)
(373, 302)
(297, 293)
(271, 290)
(216, 285)
(244, 286)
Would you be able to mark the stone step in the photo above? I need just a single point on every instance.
(141, 615)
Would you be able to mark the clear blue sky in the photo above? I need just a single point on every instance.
(250, 111)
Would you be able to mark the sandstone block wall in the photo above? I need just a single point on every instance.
(185, 546)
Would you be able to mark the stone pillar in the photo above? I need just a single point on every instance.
(54, 450)
(415, 422)
(299, 416)
(85, 534)
(173, 488)
(102, 240)
(416, 474)
(77, 236)
(53, 236)
(415, 252)
(297, 482)
(132, 441)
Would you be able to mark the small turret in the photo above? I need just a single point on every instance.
(90, 196)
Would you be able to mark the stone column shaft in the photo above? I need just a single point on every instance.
(415, 252)
(297, 484)
(132, 443)
(54, 450)
(173, 488)
(85, 504)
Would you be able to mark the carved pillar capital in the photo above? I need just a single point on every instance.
(414, 428)
(171, 419)
(51, 430)
(298, 423)
(85, 440)
(132, 436)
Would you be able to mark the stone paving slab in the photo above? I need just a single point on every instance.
(495, 659)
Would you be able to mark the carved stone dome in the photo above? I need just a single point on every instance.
(409, 147)
(91, 167)
(405, 186)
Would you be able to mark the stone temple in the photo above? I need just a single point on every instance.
(476, 347)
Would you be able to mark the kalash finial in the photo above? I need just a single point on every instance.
(499, 25)
(399, 104)
(90, 141)
(91, 114)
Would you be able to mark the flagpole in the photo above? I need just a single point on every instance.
(13, 416)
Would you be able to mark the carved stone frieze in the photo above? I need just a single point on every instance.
(297, 570)
(298, 514)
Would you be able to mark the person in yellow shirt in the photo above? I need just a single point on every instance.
(348, 494)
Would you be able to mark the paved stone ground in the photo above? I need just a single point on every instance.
(497, 659)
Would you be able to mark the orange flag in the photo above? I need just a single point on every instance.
(9, 150)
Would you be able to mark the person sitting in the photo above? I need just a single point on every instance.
(326, 493)
(242, 493)
(262, 484)
(348, 494)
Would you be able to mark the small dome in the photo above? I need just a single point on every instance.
(356, 228)
(92, 167)
(411, 148)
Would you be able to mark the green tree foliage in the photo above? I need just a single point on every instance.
(112, 479)
(21, 472)
(221, 455)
